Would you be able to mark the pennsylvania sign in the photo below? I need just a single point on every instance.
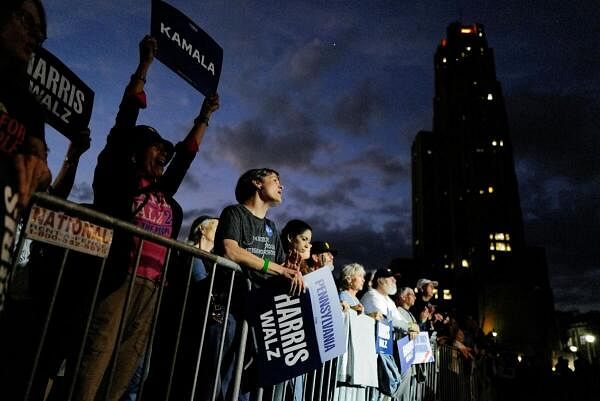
(296, 334)
(185, 48)
(67, 100)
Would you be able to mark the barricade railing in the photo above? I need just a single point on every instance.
(35, 388)
(451, 377)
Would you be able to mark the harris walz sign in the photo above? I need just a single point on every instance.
(185, 48)
(296, 334)
(68, 101)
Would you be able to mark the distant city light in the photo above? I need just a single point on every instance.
(590, 338)
(494, 143)
(464, 263)
(490, 96)
(519, 358)
(494, 334)
(444, 60)
(490, 190)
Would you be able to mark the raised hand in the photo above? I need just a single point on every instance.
(148, 48)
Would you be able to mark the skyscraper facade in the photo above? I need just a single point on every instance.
(467, 221)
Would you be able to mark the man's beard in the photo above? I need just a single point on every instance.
(390, 289)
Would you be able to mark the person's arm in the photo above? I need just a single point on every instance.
(243, 257)
(186, 150)
(134, 97)
(32, 169)
(63, 183)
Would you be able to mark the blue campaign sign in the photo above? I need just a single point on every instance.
(406, 352)
(68, 101)
(384, 337)
(185, 48)
(285, 336)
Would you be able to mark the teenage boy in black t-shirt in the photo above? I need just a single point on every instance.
(248, 238)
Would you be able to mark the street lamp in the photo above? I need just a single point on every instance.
(589, 338)
(573, 348)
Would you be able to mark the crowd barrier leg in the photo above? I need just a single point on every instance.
(86, 330)
(44, 333)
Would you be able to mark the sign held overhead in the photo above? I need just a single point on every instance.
(185, 48)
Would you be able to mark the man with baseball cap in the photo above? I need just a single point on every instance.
(321, 255)
(424, 307)
(377, 302)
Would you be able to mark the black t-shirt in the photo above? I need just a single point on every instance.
(257, 236)
(21, 116)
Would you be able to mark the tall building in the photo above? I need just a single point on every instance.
(467, 222)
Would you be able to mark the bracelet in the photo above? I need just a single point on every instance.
(138, 77)
(265, 265)
(201, 119)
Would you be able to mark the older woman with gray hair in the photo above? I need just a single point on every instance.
(352, 279)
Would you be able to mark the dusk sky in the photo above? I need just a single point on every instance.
(332, 94)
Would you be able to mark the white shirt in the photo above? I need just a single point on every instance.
(374, 301)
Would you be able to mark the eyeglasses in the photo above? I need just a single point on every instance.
(33, 28)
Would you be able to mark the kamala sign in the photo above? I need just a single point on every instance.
(185, 48)
(67, 100)
(296, 334)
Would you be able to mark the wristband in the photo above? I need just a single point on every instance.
(135, 77)
(201, 119)
(265, 265)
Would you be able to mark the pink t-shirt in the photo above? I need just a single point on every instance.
(155, 216)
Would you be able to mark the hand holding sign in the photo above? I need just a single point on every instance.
(148, 49)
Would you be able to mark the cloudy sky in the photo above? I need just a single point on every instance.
(332, 94)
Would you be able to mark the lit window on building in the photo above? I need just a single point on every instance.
(501, 143)
(444, 60)
(500, 242)
(480, 35)
(490, 96)
(464, 263)
(468, 48)
(494, 143)
(466, 30)
(435, 293)
(491, 190)
(446, 266)
(492, 257)
(481, 192)
(447, 295)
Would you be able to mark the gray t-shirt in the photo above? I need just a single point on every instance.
(258, 236)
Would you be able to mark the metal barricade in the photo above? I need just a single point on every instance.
(37, 382)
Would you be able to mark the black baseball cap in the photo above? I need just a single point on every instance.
(144, 136)
(384, 273)
(322, 247)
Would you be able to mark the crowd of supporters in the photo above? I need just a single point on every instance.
(136, 177)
